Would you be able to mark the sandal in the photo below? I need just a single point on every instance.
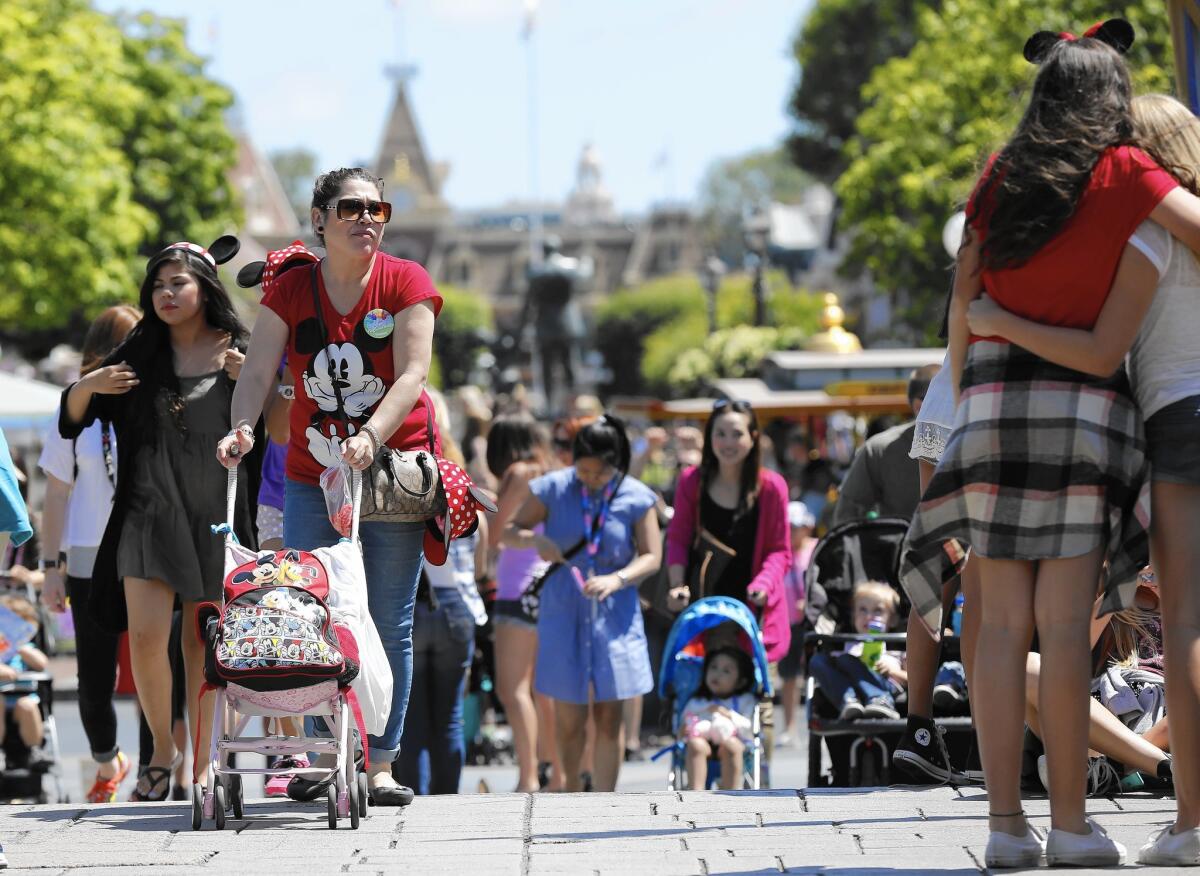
(157, 776)
(105, 790)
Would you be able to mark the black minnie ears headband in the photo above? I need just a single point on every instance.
(1116, 32)
(219, 251)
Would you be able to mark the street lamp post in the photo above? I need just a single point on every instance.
(758, 234)
(710, 278)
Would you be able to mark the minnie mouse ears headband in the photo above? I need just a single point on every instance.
(277, 262)
(219, 251)
(1116, 32)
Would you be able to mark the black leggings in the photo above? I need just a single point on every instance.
(96, 660)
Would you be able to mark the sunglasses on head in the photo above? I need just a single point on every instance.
(350, 209)
(732, 404)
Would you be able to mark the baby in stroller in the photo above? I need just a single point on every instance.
(864, 679)
(718, 719)
(22, 705)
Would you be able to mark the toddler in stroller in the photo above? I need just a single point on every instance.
(714, 676)
(28, 736)
(863, 680)
(719, 719)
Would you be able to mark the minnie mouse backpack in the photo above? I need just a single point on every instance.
(275, 631)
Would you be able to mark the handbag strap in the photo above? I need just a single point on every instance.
(577, 547)
(337, 390)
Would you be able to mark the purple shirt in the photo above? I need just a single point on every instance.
(271, 491)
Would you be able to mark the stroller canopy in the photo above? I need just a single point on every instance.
(857, 551)
(698, 618)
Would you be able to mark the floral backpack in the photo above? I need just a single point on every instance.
(275, 631)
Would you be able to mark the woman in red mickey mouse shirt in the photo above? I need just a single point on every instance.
(374, 338)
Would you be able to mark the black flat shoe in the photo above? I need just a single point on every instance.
(390, 795)
(305, 790)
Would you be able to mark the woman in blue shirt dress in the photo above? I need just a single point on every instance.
(601, 532)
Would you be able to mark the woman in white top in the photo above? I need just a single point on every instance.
(1155, 296)
(80, 478)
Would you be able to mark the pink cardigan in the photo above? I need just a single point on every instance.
(772, 549)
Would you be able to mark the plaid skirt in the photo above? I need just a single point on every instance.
(1043, 463)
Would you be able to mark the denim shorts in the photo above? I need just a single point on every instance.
(1173, 442)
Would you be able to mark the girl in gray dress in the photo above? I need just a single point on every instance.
(166, 391)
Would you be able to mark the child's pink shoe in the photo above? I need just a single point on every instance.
(277, 785)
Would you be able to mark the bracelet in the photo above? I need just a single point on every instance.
(373, 435)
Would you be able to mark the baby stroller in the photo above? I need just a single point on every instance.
(23, 778)
(286, 644)
(680, 677)
(849, 554)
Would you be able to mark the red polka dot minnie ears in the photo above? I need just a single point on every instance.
(1116, 32)
(278, 261)
(464, 501)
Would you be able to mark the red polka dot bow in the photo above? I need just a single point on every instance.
(464, 501)
(285, 259)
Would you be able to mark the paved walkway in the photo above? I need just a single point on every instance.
(834, 831)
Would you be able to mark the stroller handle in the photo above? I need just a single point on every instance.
(231, 478)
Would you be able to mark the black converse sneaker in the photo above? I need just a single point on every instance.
(922, 753)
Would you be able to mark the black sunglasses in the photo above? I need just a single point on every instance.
(350, 209)
(735, 404)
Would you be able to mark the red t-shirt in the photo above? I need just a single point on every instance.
(360, 351)
(1067, 281)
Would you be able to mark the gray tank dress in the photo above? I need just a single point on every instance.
(178, 493)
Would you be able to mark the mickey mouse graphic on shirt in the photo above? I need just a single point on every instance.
(346, 366)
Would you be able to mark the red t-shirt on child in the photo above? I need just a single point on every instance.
(1067, 281)
(360, 353)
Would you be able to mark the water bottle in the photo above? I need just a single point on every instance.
(956, 614)
(872, 649)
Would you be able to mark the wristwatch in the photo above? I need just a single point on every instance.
(286, 391)
(53, 564)
(621, 577)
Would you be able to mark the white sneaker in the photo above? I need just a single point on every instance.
(1006, 850)
(1094, 849)
(1168, 849)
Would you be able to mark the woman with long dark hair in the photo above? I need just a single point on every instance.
(1045, 474)
(1152, 318)
(601, 537)
(81, 476)
(729, 535)
(166, 392)
(516, 454)
(358, 332)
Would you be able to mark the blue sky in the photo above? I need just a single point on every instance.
(695, 80)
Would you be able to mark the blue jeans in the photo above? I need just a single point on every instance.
(443, 644)
(392, 554)
(844, 677)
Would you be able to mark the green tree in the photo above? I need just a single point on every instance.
(732, 187)
(296, 169)
(837, 47)
(933, 117)
(113, 143)
(464, 328)
(179, 149)
(72, 222)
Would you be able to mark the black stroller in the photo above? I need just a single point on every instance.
(849, 554)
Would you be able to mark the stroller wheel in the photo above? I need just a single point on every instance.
(363, 793)
(197, 806)
(235, 796)
(331, 802)
(355, 808)
(220, 801)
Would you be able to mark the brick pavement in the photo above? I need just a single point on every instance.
(835, 831)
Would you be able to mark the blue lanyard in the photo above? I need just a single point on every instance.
(593, 528)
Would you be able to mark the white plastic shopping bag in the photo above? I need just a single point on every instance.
(348, 603)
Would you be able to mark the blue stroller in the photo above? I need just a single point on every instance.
(680, 677)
